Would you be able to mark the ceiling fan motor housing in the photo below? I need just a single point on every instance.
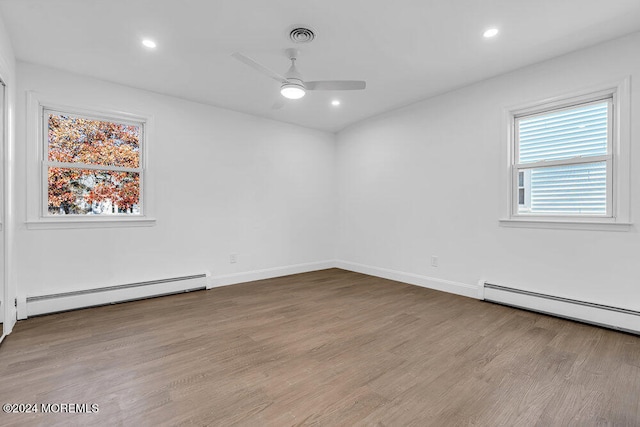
(294, 86)
(293, 89)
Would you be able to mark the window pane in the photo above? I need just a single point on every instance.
(78, 140)
(569, 190)
(92, 192)
(580, 131)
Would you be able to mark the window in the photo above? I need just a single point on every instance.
(563, 159)
(569, 159)
(92, 166)
(87, 166)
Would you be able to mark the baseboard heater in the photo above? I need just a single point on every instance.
(597, 314)
(53, 303)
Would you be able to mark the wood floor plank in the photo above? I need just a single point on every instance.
(327, 348)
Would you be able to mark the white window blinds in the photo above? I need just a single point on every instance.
(566, 155)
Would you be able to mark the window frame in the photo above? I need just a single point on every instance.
(617, 158)
(38, 216)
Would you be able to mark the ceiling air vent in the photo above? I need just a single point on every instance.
(302, 35)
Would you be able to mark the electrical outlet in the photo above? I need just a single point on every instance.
(434, 261)
(233, 258)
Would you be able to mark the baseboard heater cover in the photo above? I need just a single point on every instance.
(52, 303)
(597, 314)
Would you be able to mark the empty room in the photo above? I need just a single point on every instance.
(331, 213)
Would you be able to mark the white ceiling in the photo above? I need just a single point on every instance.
(406, 50)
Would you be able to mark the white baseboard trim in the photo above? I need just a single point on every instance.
(35, 306)
(449, 286)
(597, 314)
(267, 273)
(45, 304)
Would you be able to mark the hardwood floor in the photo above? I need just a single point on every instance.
(324, 348)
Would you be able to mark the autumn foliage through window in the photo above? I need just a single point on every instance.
(93, 166)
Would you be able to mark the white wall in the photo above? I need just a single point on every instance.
(426, 180)
(7, 286)
(224, 183)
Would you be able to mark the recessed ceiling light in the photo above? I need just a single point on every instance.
(149, 43)
(491, 32)
(335, 102)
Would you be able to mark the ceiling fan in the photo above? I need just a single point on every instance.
(293, 86)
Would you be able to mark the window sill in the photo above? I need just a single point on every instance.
(565, 224)
(67, 223)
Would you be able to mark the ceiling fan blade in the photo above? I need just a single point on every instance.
(336, 85)
(257, 66)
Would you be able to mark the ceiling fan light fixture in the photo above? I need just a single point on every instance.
(292, 91)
